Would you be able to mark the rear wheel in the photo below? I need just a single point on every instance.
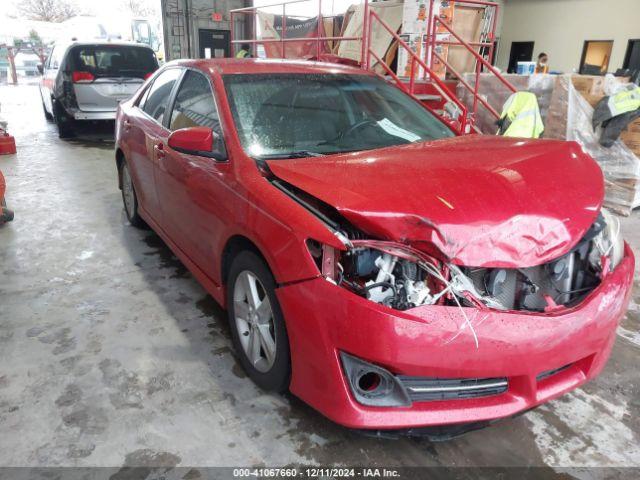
(258, 330)
(63, 121)
(129, 197)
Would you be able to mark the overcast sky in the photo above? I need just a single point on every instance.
(111, 8)
(107, 9)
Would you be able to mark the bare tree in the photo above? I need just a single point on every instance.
(140, 8)
(47, 10)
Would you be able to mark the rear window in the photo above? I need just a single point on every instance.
(114, 60)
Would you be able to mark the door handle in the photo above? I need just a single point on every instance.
(159, 149)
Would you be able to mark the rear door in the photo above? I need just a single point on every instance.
(146, 134)
(105, 75)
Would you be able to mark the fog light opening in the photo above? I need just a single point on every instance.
(373, 385)
(369, 382)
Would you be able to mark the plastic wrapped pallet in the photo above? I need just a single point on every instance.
(620, 165)
(567, 115)
(496, 94)
(569, 118)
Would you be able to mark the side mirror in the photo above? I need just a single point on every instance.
(40, 68)
(195, 141)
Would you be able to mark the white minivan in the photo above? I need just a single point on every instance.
(86, 81)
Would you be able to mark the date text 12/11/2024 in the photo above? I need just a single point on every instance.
(316, 472)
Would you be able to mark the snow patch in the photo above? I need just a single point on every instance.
(582, 430)
(630, 335)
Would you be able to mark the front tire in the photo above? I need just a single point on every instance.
(130, 198)
(258, 329)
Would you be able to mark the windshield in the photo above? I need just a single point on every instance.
(296, 115)
(115, 60)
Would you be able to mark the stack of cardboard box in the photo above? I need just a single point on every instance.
(631, 137)
(591, 87)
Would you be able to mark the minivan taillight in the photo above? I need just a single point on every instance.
(147, 75)
(82, 77)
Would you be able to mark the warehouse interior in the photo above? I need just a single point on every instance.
(319, 239)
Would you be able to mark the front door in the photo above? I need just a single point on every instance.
(520, 52)
(195, 189)
(214, 43)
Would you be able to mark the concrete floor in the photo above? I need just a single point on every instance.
(111, 353)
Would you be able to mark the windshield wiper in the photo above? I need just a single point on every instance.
(293, 154)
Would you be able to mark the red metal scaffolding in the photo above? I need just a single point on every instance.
(460, 116)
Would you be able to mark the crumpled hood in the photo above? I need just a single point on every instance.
(483, 201)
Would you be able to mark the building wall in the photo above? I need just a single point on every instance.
(560, 28)
(182, 20)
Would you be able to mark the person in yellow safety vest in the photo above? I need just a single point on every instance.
(625, 101)
(245, 51)
(521, 117)
(614, 113)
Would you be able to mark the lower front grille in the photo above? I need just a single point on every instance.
(550, 373)
(422, 389)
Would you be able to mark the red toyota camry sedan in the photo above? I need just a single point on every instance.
(388, 273)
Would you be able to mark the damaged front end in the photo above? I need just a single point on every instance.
(402, 277)
(437, 338)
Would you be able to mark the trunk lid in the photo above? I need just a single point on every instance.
(110, 73)
(483, 201)
(104, 94)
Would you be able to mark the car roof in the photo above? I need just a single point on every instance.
(227, 66)
(101, 43)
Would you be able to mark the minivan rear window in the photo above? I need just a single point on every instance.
(114, 60)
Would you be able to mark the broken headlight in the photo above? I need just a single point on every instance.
(609, 242)
(384, 272)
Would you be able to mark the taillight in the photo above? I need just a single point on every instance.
(148, 75)
(82, 77)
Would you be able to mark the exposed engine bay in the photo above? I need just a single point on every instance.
(401, 277)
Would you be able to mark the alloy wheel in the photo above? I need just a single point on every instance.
(254, 321)
(127, 192)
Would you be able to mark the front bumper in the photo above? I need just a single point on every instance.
(433, 341)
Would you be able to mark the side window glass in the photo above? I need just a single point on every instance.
(157, 98)
(195, 106)
(143, 98)
(56, 59)
(47, 64)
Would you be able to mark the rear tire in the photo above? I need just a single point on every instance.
(63, 121)
(255, 316)
(130, 198)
